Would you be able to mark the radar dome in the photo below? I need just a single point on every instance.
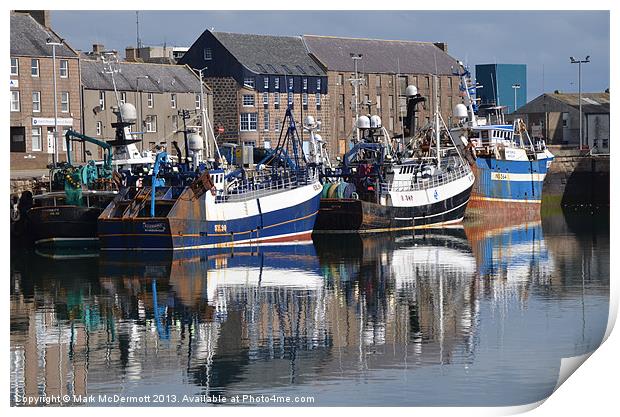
(411, 91)
(194, 141)
(128, 113)
(309, 121)
(318, 138)
(363, 122)
(375, 121)
(460, 111)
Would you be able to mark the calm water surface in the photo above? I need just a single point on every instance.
(474, 316)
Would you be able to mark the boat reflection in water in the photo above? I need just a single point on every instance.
(337, 319)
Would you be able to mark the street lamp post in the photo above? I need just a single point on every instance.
(515, 87)
(140, 109)
(55, 145)
(579, 62)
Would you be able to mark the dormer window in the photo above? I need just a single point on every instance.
(248, 82)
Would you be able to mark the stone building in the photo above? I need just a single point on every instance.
(254, 78)
(386, 67)
(32, 92)
(555, 117)
(159, 91)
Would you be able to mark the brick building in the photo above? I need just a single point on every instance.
(254, 78)
(158, 91)
(387, 67)
(32, 92)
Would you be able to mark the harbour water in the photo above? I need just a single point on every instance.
(474, 316)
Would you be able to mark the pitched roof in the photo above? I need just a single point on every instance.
(380, 56)
(267, 54)
(162, 77)
(590, 102)
(29, 38)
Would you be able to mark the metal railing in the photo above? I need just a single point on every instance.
(420, 183)
(266, 184)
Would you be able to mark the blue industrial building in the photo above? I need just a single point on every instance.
(497, 82)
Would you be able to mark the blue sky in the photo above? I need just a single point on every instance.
(535, 38)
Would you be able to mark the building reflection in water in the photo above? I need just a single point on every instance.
(268, 317)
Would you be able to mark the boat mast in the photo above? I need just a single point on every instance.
(436, 121)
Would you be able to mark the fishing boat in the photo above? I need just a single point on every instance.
(509, 166)
(275, 202)
(383, 185)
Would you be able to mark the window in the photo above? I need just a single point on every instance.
(318, 84)
(378, 81)
(173, 101)
(99, 128)
(197, 101)
(402, 84)
(341, 102)
(102, 100)
(64, 68)
(276, 99)
(277, 125)
(36, 138)
(341, 124)
(290, 99)
(151, 124)
(36, 101)
(267, 144)
(340, 79)
(391, 102)
(150, 100)
(304, 99)
(248, 82)
(15, 101)
(248, 100)
(428, 83)
(391, 125)
(123, 97)
(378, 101)
(266, 121)
(276, 83)
(14, 66)
(18, 139)
(290, 83)
(64, 102)
(318, 100)
(265, 99)
(64, 142)
(175, 122)
(248, 122)
(266, 83)
(34, 67)
(450, 84)
(208, 54)
(305, 83)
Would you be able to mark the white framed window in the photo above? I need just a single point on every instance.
(208, 54)
(248, 100)
(36, 101)
(290, 98)
(276, 83)
(102, 100)
(14, 66)
(64, 102)
(150, 100)
(248, 82)
(318, 84)
(266, 81)
(36, 138)
(266, 121)
(276, 99)
(266, 99)
(248, 122)
(173, 101)
(123, 97)
(34, 67)
(267, 144)
(99, 128)
(304, 99)
(197, 101)
(290, 83)
(64, 68)
(151, 124)
(318, 100)
(277, 125)
(305, 83)
(62, 139)
(15, 101)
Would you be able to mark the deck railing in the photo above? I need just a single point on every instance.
(421, 183)
(266, 184)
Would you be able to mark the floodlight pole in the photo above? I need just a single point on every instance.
(579, 62)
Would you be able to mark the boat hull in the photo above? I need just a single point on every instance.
(339, 215)
(64, 226)
(284, 217)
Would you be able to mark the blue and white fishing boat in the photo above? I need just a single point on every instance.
(274, 203)
(509, 166)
